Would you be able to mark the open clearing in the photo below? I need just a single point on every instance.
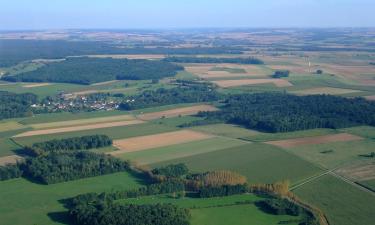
(185, 111)
(12, 159)
(359, 171)
(157, 140)
(36, 85)
(342, 203)
(79, 128)
(82, 122)
(290, 143)
(242, 82)
(325, 90)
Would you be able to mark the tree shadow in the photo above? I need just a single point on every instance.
(61, 217)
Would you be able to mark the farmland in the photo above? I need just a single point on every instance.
(191, 102)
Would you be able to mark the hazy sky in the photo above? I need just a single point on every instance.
(57, 14)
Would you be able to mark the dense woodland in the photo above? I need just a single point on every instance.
(278, 112)
(15, 105)
(162, 96)
(16, 51)
(249, 60)
(86, 70)
(59, 167)
(9, 172)
(75, 143)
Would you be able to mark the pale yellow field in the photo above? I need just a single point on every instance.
(157, 140)
(290, 143)
(12, 159)
(11, 125)
(70, 123)
(359, 171)
(325, 90)
(36, 85)
(185, 111)
(79, 128)
(242, 82)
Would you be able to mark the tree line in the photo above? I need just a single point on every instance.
(182, 94)
(237, 60)
(74, 143)
(87, 70)
(279, 112)
(16, 105)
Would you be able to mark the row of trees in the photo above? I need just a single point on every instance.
(239, 60)
(16, 105)
(277, 112)
(74, 143)
(64, 166)
(162, 96)
(86, 70)
(281, 73)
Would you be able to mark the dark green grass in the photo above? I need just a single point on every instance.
(370, 184)
(342, 203)
(112, 132)
(260, 163)
(23, 202)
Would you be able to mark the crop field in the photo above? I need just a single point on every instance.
(35, 85)
(331, 155)
(217, 211)
(82, 122)
(10, 125)
(227, 130)
(7, 147)
(79, 128)
(113, 132)
(242, 82)
(360, 170)
(370, 184)
(363, 131)
(290, 143)
(157, 140)
(258, 162)
(325, 90)
(174, 152)
(343, 203)
(40, 204)
(186, 111)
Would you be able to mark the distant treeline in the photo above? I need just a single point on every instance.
(15, 105)
(16, 51)
(182, 94)
(276, 112)
(75, 143)
(248, 60)
(86, 70)
(59, 167)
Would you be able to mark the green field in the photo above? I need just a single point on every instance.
(342, 203)
(229, 70)
(23, 202)
(370, 184)
(364, 131)
(217, 211)
(112, 132)
(7, 147)
(260, 163)
(331, 155)
(156, 155)
(227, 130)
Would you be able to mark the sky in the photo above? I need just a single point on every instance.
(155, 14)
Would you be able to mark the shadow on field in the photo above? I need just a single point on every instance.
(60, 217)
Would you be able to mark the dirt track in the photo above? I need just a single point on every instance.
(157, 140)
(290, 143)
(185, 111)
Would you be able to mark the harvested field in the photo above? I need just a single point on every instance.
(157, 140)
(104, 83)
(234, 83)
(79, 128)
(185, 111)
(36, 85)
(12, 159)
(352, 72)
(207, 71)
(325, 90)
(290, 143)
(359, 171)
(82, 122)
